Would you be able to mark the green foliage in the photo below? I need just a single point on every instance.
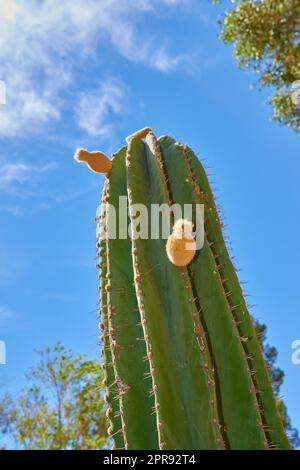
(265, 34)
(184, 366)
(62, 408)
(277, 376)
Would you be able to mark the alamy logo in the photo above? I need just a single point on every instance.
(2, 353)
(152, 222)
(296, 353)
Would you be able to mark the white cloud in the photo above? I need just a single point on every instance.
(163, 62)
(7, 9)
(20, 172)
(48, 40)
(5, 314)
(96, 109)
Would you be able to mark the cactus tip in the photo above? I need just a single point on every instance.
(79, 155)
(96, 161)
(141, 134)
(181, 246)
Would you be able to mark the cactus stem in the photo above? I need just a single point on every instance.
(186, 328)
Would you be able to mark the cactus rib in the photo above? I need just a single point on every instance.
(113, 411)
(136, 405)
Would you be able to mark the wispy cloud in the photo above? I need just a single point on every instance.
(5, 314)
(16, 179)
(173, 2)
(97, 109)
(71, 195)
(20, 172)
(44, 43)
(164, 62)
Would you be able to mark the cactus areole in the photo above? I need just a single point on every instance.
(184, 368)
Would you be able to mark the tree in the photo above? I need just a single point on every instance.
(277, 376)
(63, 407)
(265, 34)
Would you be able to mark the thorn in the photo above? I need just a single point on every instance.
(234, 307)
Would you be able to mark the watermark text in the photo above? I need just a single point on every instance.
(142, 222)
(296, 354)
(2, 353)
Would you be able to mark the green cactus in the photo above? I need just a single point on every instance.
(184, 368)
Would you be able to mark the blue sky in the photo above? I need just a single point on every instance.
(87, 73)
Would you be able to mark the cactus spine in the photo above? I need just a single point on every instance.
(184, 368)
